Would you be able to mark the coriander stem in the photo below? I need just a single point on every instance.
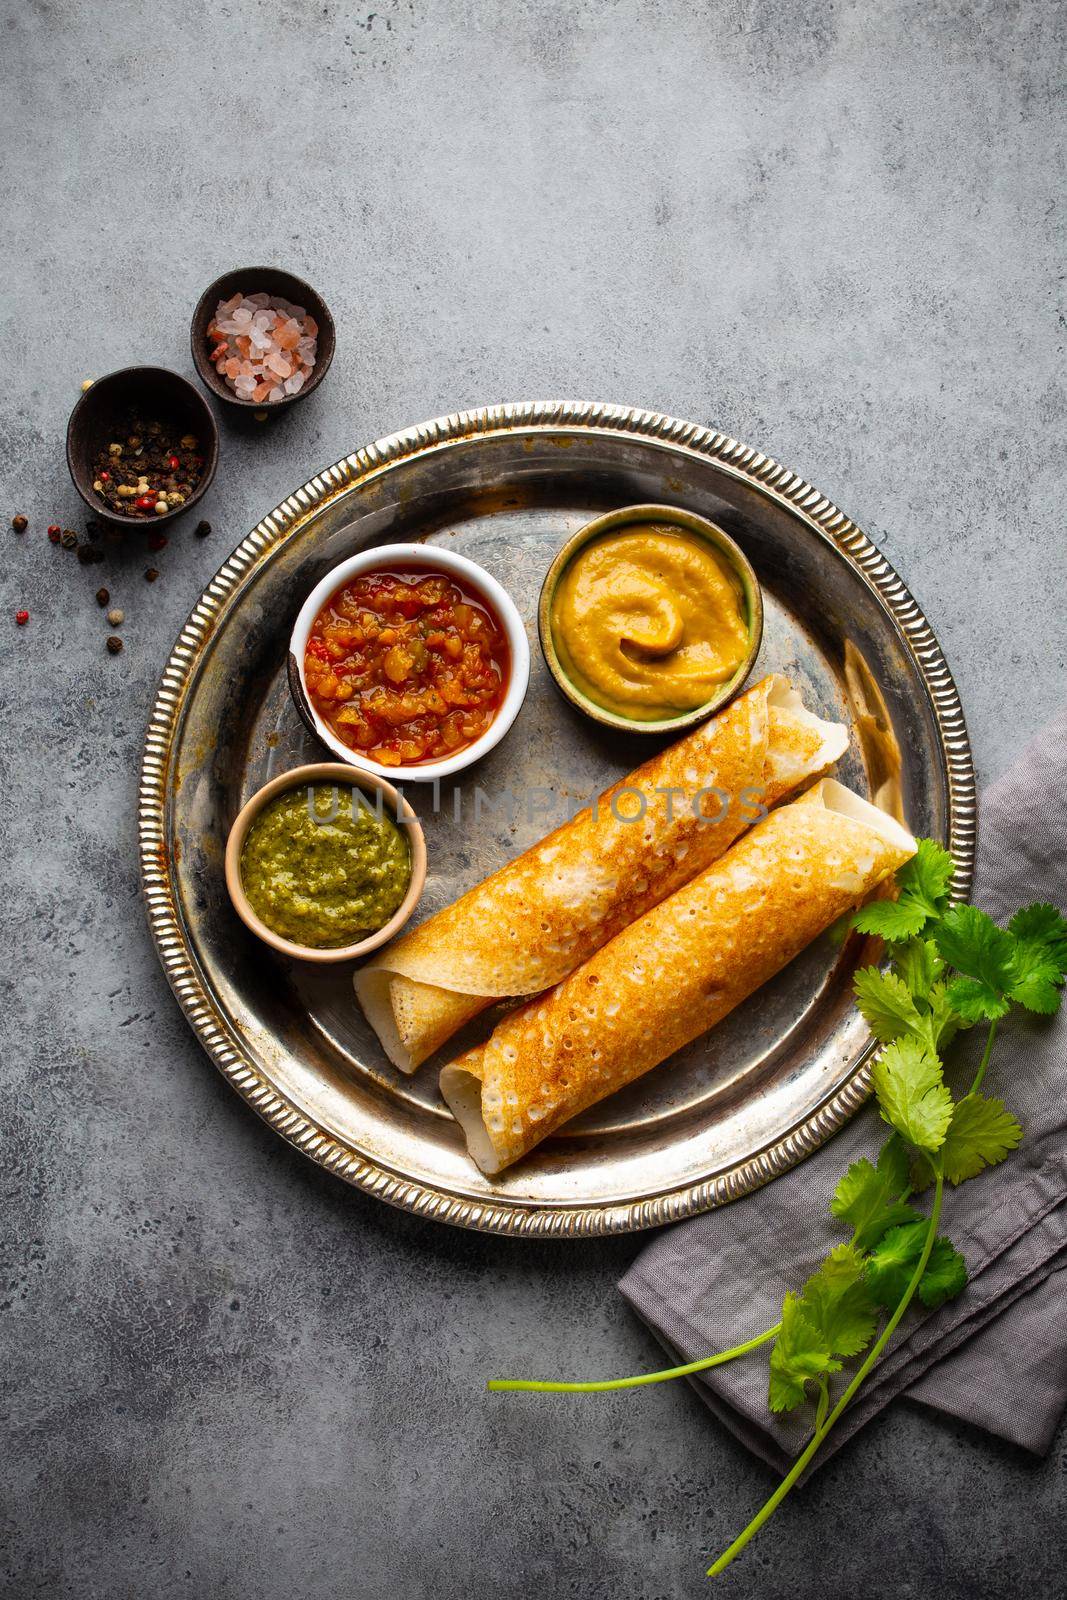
(980, 1074)
(645, 1377)
(801, 1463)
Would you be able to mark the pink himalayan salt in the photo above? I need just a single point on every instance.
(263, 346)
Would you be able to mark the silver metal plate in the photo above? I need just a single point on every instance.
(506, 487)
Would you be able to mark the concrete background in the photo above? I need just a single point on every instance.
(832, 229)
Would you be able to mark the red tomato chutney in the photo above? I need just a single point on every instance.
(407, 665)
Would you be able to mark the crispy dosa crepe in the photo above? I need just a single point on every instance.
(540, 916)
(673, 973)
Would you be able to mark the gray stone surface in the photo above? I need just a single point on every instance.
(832, 229)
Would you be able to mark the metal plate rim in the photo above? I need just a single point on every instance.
(179, 960)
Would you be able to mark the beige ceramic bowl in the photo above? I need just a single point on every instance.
(350, 778)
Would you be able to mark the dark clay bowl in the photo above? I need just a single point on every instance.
(254, 280)
(155, 395)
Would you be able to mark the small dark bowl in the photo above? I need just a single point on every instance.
(254, 280)
(155, 394)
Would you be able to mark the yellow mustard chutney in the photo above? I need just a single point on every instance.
(648, 622)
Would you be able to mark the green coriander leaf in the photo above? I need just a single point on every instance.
(890, 919)
(799, 1356)
(893, 1164)
(980, 1134)
(839, 1304)
(976, 1001)
(912, 1094)
(1040, 959)
(1039, 991)
(971, 942)
(943, 1021)
(918, 964)
(885, 1003)
(867, 1196)
(945, 1276)
(1042, 925)
(923, 884)
(922, 1172)
(839, 930)
(892, 1262)
(927, 876)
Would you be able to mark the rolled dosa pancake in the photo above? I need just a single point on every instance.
(669, 976)
(541, 915)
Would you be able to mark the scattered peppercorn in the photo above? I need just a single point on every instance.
(151, 574)
(116, 617)
(103, 596)
(158, 541)
(53, 534)
(20, 523)
(203, 529)
(22, 617)
(54, 528)
(114, 643)
(69, 539)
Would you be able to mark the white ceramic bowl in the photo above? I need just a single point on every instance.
(434, 560)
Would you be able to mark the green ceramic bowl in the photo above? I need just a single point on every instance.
(724, 546)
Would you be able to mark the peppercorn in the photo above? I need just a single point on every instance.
(53, 534)
(203, 529)
(22, 617)
(161, 508)
(116, 617)
(103, 596)
(157, 541)
(69, 539)
(54, 528)
(87, 383)
(146, 501)
(151, 574)
(20, 523)
(173, 463)
(114, 643)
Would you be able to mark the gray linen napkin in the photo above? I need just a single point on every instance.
(996, 1356)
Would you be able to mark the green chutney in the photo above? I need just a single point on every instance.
(324, 865)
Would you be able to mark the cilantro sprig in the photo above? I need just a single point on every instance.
(947, 969)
